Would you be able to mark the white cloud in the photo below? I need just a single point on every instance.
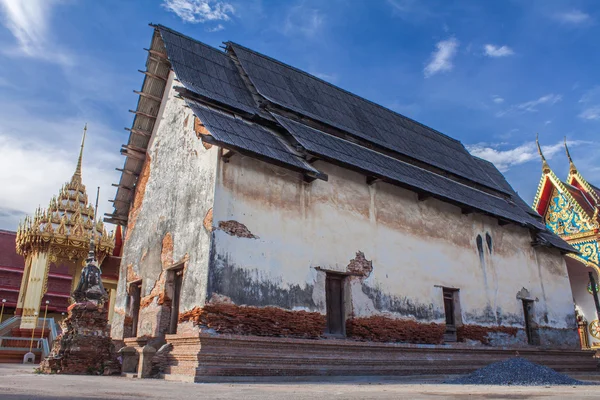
(591, 103)
(498, 51)
(591, 113)
(326, 77)
(28, 22)
(574, 17)
(504, 159)
(217, 28)
(532, 105)
(200, 11)
(497, 99)
(305, 21)
(441, 58)
(33, 168)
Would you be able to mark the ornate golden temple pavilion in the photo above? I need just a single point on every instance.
(570, 209)
(58, 238)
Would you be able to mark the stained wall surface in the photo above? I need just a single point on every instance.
(276, 236)
(173, 196)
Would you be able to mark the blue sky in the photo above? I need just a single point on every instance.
(490, 74)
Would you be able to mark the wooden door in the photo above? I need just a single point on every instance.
(335, 304)
(177, 282)
(136, 297)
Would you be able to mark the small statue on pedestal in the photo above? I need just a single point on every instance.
(90, 286)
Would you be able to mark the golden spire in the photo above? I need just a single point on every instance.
(572, 168)
(545, 166)
(78, 168)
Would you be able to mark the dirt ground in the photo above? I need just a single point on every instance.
(18, 382)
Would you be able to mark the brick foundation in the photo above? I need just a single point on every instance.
(259, 321)
(382, 329)
(85, 347)
(214, 357)
(481, 333)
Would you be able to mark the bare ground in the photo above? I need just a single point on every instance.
(18, 382)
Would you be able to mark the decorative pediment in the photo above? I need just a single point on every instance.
(563, 217)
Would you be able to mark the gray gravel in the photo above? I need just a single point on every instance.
(516, 371)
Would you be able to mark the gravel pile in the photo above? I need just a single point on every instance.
(516, 371)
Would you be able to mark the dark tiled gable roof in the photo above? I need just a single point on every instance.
(254, 104)
(310, 96)
(244, 136)
(207, 71)
(416, 178)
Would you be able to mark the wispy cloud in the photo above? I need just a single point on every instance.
(200, 11)
(441, 58)
(573, 17)
(497, 99)
(497, 51)
(217, 28)
(504, 159)
(591, 113)
(326, 77)
(590, 102)
(411, 10)
(304, 21)
(532, 105)
(28, 22)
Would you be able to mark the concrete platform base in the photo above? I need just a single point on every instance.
(217, 358)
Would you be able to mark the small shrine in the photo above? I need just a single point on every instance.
(85, 346)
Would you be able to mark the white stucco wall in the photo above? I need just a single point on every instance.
(415, 246)
(178, 194)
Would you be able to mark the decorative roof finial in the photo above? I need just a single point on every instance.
(78, 169)
(572, 168)
(545, 166)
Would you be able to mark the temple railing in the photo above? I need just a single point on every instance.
(7, 326)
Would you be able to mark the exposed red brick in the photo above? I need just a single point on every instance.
(359, 265)
(259, 321)
(166, 254)
(201, 131)
(131, 275)
(85, 346)
(208, 221)
(480, 333)
(235, 228)
(140, 190)
(383, 329)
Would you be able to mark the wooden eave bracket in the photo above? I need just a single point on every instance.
(371, 180)
(139, 132)
(128, 172)
(421, 196)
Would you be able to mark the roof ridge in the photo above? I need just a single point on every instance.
(189, 38)
(344, 90)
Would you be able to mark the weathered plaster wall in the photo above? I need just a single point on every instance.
(578, 274)
(173, 195)
(275, 234)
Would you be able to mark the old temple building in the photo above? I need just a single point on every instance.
(570, 209)
(277, 224)
(45, 257)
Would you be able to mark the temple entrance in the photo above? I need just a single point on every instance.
(451, 311)
(530, 324)
(175, 282)
(334, 294)
(135, 298)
